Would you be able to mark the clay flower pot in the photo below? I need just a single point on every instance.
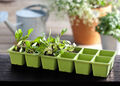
(84, 33)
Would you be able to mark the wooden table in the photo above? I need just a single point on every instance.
(12, 73)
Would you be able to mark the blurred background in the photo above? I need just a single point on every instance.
(7, 39)
(54, 22)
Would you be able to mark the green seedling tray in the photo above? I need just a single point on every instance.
(101, 66)
(16, 58)
(65, 62)
(89, 51)
(49, 62)
(83, 64)
(83, 60)
(110, 54)
(33, 60)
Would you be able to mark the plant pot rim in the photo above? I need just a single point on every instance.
(62, 58)
(100, 8)
(90, 49)
(115, 52)
(105, 35)
(83, 61)
(16, 52)
(32, 54)
(10, 50)
(59, 58)
(101, 63)
(47, 56)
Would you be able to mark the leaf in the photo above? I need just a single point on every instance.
(27, 36)
(15, 48)
(20, 32)
(50, 39)
(34, 44)
(18, 35)
(63, 31)
(57, 40)
(37, 39)
(28, 44)
(41, 48)
(30, 31)
(61, 45)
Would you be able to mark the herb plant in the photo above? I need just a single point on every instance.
(20, 40)
(51, 46)
(57, 46)
(110, 25)
(31, 47)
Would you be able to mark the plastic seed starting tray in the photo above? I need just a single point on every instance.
(83, 60)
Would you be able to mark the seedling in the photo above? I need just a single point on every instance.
(57, 46)
(20, 40)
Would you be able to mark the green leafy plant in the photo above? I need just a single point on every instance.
(31, 47)
(20, 40)
(36, 46)
(82, 8)
(19, 35)
(57, 46)
(51, 46)
(110, 25)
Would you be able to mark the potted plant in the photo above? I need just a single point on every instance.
(32, 54)
(109, 28)
(17, 55)
(83, 15)
(49, 54)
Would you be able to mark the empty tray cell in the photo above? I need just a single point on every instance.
(90, 51)
(65, 62)
(101, 66)
(33, 60)
(110, 54)
(49, 62)
(102, 59)
(106, 53)
(83, 65)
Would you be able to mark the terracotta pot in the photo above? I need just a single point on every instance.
(85, 34)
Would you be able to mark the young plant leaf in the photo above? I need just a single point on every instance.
(63, 31)
(28, 44)
(30, 31)
(18, 35)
